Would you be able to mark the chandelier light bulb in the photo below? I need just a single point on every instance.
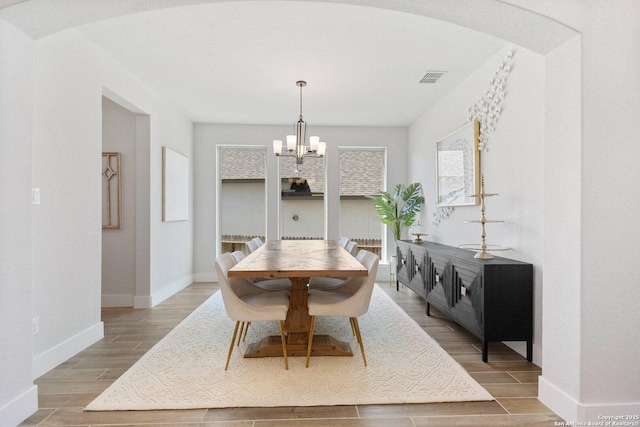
(314, 141)
(277, 147)
(322, 149)
(291, 142)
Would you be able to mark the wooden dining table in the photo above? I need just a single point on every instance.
(299, 260)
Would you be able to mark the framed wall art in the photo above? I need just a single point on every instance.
(458, 167)
(111, 191)
(175, 186)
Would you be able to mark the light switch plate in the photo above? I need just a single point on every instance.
(35, 196)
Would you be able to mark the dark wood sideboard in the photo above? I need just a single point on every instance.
(492, 299)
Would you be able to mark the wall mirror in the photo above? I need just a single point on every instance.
(458, 167)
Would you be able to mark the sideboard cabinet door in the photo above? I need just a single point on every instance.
(411, 261)
(492, 299)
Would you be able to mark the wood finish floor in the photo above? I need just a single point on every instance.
(65, 390)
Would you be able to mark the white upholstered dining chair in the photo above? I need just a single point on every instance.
(352, 247)
(332, 283)
(350, 301)
(251, 245)
(244, 302)
(267, 283)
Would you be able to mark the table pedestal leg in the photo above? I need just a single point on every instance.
(298, 320)
(297, 325)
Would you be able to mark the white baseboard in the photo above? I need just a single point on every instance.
(557, 400)
(150, 301)
(117, 300)
(142, 302)
(44, 362)
(575, 412)
(205, 278)
(170, 290)
(20, 408)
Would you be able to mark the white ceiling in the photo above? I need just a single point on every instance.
(238, 62)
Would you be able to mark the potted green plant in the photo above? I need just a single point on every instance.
(399, 210)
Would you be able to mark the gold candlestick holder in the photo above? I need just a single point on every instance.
(483, 249)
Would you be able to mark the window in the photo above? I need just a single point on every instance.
(302, 201)
(362, 172)
(242, 195)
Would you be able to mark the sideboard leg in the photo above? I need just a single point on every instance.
(485, 351)
(530, 350)
(428, 309)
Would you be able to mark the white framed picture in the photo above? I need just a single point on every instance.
(175, 186)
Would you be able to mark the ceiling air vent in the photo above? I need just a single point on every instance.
(432, 76)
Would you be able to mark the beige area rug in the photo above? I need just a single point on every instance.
(185, 370)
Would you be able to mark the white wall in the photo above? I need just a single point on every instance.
(513, 167)
(119, 245)
(70, 76)
(52, 98)
(591, 311)
(562, 340)
(164, 250)
(66, 227)
(208, 136)
(18, 395)
(610, 274)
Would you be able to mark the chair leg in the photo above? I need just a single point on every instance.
(310, 341)
(233, 340)
(353, 328)
(245, 331)
(357, 327)
(284, 345)
(240, 334)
